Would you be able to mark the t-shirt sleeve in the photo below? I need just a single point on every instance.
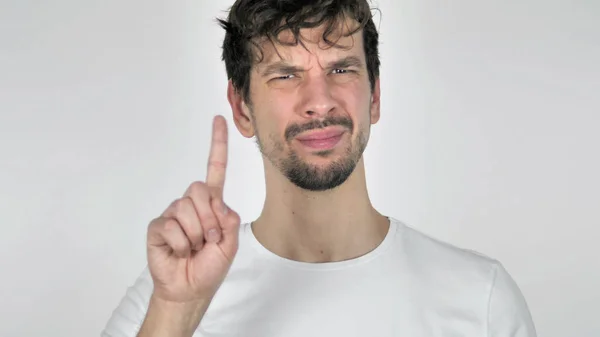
(508, 313)
(126, 320)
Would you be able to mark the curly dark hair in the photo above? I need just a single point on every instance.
(250, 20)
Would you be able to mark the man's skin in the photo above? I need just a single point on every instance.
(322, 221)
(333, 225)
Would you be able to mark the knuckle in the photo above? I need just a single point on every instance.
(153, 228)
(180, 206)
(180, 245)
(217, 164)
(233, 217)
(207, 216)
(197, 187)
(236, 217)
(188, 206)
(156, 224)
(155, 221)
(184, 204)
(168, 212)
(168, 224)
(189, 219)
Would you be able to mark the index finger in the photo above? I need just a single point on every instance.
(217, 160)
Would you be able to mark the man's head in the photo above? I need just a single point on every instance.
(301, 71)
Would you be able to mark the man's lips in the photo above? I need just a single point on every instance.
(320, 134)
(321, 139)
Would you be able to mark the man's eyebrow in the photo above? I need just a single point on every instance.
(282, 67)
(346, 62)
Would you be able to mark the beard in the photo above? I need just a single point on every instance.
(308, 176)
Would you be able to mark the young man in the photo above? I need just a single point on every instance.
(319, 260)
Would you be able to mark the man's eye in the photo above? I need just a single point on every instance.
(340, 71)
(284, 77)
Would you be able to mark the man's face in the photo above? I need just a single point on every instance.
(311, 108)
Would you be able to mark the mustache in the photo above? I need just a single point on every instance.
(293, 130)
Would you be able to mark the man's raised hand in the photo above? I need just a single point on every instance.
(192, 244)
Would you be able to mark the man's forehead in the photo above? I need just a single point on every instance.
(333, 30)
(311, 41)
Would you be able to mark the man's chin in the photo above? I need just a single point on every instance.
(321, 159)
(318, 176)
(317, 185)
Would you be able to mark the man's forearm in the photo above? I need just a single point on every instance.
(172, 319)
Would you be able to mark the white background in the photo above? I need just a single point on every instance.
(488, 139)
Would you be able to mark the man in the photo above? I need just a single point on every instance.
(319, 260)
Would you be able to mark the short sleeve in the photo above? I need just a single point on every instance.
(126, 320)
(508, 313)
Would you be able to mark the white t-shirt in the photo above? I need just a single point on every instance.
(409, 286)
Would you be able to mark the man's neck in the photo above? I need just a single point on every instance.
(334, 225)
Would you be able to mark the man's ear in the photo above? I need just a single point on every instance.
(375, 102)
(241, 112)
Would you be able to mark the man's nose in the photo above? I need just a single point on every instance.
(317, 97)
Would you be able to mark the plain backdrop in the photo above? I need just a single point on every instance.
(488, 140)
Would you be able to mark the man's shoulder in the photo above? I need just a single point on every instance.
(427, 253)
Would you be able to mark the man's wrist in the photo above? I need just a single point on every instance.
(173, 319)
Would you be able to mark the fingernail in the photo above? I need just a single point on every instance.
(213, 235)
